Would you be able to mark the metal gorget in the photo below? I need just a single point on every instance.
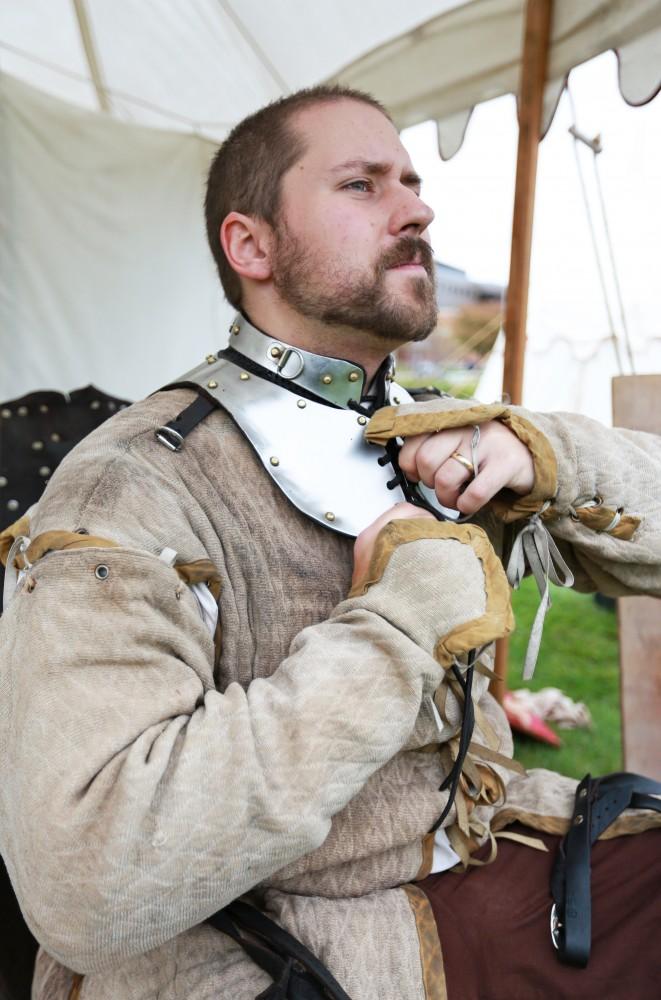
(307, 439)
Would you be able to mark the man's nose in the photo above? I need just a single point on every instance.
(411, 215)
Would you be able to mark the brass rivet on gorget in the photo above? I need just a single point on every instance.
(353, 376)
(362, 421)
(274, 460)
(327, 379)
(275, 351)
(234, 328)
(244, 376)
(329, 515)
(301, 404)
(212, 384)
(211, 358)
(37, 445)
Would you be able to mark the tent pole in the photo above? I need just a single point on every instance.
(530, 102)
(90, 54)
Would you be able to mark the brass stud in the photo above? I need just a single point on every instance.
(43, 408)
(12, 505)
(578, 820)
(44, 471)
(22, 411)
(6, 414)
(235, 329)
(327, 379)
(276, 352)
(95, 405)
(37, 445)
(211, 359)
(212, 384)
(353, 376)
(244, 376)
(362, 421)
(301, 404)
(3, 480)
(55, 437)
(274, 460)
(329, 515)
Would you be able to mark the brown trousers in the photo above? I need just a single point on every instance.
(494, 921)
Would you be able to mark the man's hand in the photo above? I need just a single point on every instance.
(504, 462)
(364, 544)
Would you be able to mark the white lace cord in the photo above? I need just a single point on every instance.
(535, 547)
(12, 577)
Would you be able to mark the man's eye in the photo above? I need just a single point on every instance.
(358, 185)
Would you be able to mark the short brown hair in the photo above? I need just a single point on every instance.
(246, 171)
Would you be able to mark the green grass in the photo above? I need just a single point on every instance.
(579, 654)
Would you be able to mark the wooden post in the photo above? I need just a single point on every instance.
(530, 101)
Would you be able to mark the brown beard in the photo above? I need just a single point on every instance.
(362, 302)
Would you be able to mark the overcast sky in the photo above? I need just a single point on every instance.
(473, 193)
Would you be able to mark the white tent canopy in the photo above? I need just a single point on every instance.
(104, 273)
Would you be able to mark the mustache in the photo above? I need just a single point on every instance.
(408, 250)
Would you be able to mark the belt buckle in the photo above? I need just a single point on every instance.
(556, 927)
(171, 438)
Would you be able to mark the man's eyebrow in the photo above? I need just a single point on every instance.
(376, 169)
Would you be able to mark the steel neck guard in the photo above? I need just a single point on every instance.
(312, 448)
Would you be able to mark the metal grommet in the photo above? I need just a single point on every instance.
(81, 531)
(101, 572)
(301, 404)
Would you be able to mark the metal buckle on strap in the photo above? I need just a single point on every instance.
(171, 438)
(556, 927)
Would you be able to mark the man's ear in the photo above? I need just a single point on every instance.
(247, 243)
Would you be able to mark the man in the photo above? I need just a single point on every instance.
(194, 710)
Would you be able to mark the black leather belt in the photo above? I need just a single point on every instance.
(599, 801)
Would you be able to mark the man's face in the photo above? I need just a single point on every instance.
(351, 236)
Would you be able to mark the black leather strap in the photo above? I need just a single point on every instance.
(297, 974)
(173, 433)
(598, 802)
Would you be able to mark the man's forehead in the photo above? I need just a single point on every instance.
(349, 134)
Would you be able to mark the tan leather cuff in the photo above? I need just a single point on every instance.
(428, 418)
(492, 617)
